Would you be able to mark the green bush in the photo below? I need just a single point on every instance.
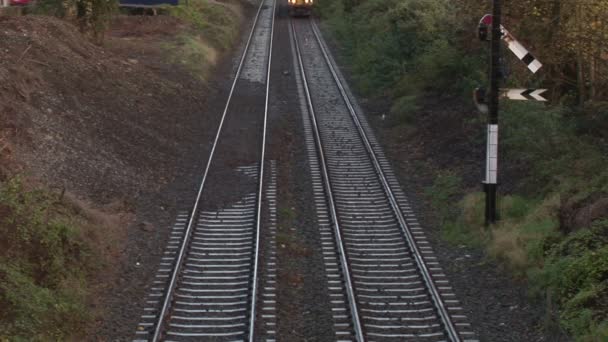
(42, 267)
(214, 29)
(576, 274)
(592, 120)
(406, 109)
(515, 207)
(216, 21)
(544, 141)
(402, 48)
(33, 312)
(445, 189)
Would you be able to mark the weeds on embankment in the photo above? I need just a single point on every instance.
(43, 266)
(553, 230)
(214, 29)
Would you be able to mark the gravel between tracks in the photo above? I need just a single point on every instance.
(303, 310)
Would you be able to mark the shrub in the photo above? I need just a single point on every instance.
(444, 190)
(576, 274)
(216, 21)
(406, 109)
(592, 120)
(42, 267)
(401, 48)
(214, 28)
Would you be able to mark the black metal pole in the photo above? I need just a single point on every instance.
(492, 147)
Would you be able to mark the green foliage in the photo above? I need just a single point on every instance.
(531, 131)
(442, 68)
(558, 161)
(405, 109)
(515, 207)
(216, 22)
(214, 28)
(572, 269)
(37, 313)
(576, 274)
(460, 224)
(190, 52)
(42, 267)
(402, 48)
(460, 234)
(445, 188)
(592, 120)
(545, 140)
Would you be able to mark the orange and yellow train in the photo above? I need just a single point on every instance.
(300, 7)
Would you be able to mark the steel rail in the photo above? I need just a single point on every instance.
(438, 302)
(261, 184)
(169, 295)
(330, 198)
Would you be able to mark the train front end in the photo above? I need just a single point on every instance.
(300, 7)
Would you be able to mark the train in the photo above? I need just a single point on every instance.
(300, 7)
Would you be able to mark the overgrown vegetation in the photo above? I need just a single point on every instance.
(404, 49)
(217, 22)
(214, 30)
(552, 230)
(43, 263)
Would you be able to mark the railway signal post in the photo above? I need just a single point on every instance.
(490, 183)
(488, 103)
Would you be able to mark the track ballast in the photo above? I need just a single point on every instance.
(208, 283)
(391, 287)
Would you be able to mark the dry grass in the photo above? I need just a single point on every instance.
(195, 54)
(508, 244)
(214, 29)
(513, 238)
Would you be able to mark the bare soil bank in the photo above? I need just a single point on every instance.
(87, 119)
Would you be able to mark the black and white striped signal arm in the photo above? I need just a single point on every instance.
(516, 47)
(520, 51)
(523, 94)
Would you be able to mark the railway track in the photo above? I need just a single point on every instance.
(207, 286)
(384, 281)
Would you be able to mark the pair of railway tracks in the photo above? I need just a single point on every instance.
(383, 279)
(372, 241)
